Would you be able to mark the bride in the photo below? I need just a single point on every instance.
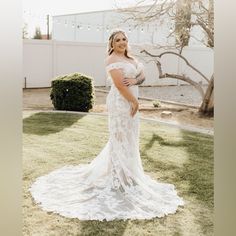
(113, 185)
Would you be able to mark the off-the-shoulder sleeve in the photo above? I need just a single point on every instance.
(115, 65)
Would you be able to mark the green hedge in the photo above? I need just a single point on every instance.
(74, 92)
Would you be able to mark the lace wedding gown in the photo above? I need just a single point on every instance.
(113, 185)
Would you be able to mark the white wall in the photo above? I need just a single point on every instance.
(37, 63)
(43, 60)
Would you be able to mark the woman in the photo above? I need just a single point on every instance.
(113, 185)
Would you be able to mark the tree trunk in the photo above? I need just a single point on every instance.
(183, 22)
(207, 106)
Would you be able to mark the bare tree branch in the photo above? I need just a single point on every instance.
(179, 77)
(178, 55)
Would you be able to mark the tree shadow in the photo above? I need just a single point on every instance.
(199, 172)
(155, 163)
(43, 123)
(115, 227)
(196, 172)
(100, 228)
(198, 167)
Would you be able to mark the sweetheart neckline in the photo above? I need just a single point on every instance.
(135, 66)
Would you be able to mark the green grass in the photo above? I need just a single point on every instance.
(185, 159)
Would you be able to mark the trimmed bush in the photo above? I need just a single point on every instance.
(74, 92)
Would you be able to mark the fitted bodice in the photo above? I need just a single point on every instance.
(116, 103)
(129, 70)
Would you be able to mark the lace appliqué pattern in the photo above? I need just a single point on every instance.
(113, 185)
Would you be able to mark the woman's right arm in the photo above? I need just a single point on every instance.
(118, 78)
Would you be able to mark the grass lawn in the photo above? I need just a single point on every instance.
(185, 159)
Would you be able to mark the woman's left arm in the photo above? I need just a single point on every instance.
(140, 78)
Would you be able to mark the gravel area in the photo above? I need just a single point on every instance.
(184, 94)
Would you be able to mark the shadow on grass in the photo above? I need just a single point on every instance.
(199, 172)
(155, 163)
(116, 227)
(198, 168)
(196, 172)
(44, 123)
(100, 228)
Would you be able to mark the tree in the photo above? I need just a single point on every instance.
(185, 15)
(38, 34)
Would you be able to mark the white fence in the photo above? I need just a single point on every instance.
(43, 60)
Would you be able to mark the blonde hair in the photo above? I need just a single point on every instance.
(111, 41)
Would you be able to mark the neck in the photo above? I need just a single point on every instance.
(119, 54)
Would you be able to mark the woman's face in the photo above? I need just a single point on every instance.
(120, 43)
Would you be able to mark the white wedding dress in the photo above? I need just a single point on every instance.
(113, 185)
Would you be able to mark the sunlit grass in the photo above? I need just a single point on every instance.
(185, 159)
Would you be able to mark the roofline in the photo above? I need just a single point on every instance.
(81, 13)
(108, 10)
